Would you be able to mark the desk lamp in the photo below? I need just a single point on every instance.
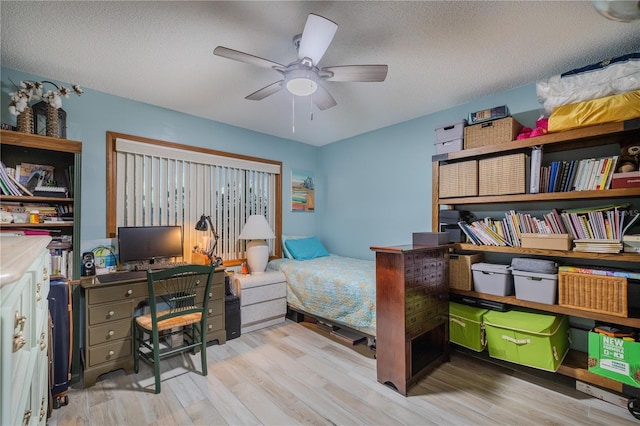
(202, 226)
(257, 230)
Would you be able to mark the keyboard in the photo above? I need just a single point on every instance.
(161, 265)
(121, 276)
(138, 273)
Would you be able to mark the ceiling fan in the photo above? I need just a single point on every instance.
(303, 77)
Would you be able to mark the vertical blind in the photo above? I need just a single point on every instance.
(159, 185)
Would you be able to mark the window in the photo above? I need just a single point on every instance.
(152, 182)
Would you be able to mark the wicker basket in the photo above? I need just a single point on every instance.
(460, 276)
(491, 133)
(458, 179)
(506, 174)
(594, 293)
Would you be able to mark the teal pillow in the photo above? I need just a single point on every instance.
(306, 248)
(285, 251)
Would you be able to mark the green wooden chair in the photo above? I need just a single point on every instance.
(178, 299)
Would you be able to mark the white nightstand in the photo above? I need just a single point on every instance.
(263, 299)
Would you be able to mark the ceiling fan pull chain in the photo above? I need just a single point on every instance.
(311, 107)
(293, 114)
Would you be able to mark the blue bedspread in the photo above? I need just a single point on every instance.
(340, 289)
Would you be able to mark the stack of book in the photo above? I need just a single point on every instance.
(595, 229)
(590, 174)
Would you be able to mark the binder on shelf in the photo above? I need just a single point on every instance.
(536, 159)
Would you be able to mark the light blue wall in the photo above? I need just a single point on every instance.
(94, 113)
(378, 185)
(373, 189)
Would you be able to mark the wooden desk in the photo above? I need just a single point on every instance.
(109, 311)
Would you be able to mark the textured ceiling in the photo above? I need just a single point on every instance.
(440, 54)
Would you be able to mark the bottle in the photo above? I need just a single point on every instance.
(245, 269)
(34, 216)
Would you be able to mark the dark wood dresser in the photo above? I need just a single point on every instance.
(412, 310)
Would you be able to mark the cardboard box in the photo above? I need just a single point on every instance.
(538, 340)
(614, 358)
(625, 180)
(492, 278)
(465, 326)
(546, 241)
(430, 238)
(596, 392)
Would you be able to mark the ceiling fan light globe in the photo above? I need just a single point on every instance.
(618, 10)
(302, 86)
(301, 82)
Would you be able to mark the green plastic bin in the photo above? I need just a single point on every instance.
(535, 339)
(465, 326)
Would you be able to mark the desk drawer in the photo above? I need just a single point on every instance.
(109, 352)
(110, 312)
(215, 323)
(117, 292)
(109, 332)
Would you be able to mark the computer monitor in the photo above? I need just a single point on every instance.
(147, 243)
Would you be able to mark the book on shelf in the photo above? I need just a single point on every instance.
(595, 245)
(598, 271)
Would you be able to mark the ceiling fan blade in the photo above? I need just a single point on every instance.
(357, 73)
(316, 37)
(266, 91)
(236, 55)
(323, 99)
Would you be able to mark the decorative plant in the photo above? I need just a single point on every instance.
(32, 90)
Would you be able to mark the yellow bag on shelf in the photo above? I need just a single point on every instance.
(624, 106)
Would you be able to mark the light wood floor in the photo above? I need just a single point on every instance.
(288, 374)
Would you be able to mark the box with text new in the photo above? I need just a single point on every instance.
(615, 358)
(458, 179)
(532, 338)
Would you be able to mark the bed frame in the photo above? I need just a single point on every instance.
(298, 315)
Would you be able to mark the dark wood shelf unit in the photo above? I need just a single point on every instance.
(20, 148)
(412, 304)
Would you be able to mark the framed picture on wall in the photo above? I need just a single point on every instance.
(302, 191)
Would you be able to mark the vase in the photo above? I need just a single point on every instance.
(25, 120)
(52, 121)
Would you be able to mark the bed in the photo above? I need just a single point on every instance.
(340, 290)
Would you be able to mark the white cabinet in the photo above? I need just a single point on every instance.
(24, 336)
(263, 299)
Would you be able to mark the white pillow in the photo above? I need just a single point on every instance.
(285, 251)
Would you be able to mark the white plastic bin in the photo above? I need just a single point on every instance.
(492, 278)
(535, 287)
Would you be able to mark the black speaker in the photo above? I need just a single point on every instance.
(232, 316)
(88, 264)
